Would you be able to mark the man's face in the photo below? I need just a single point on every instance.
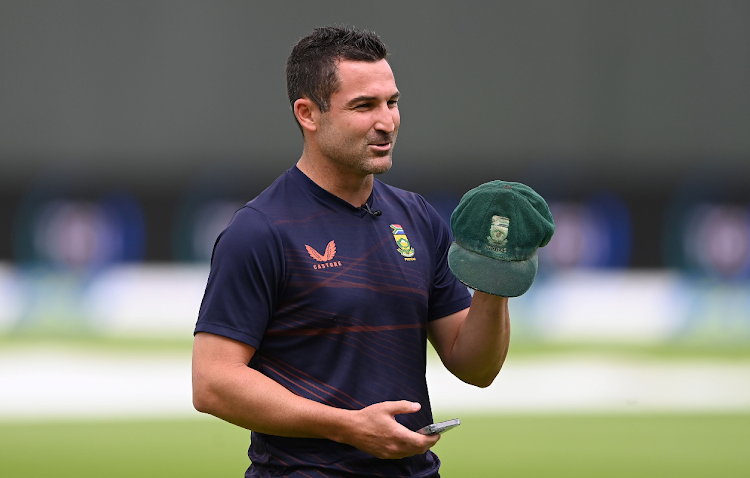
(359, 130)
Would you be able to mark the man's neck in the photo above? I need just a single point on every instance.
(349, 186)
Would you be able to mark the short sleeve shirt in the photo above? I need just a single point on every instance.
(336, 302)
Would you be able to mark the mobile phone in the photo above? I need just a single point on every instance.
(440, 427)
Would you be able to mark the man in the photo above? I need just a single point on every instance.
(324, 289)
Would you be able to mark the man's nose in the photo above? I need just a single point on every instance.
(386, 120)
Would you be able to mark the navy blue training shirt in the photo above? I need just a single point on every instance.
(336, 301)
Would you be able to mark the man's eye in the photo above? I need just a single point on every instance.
(362, 106)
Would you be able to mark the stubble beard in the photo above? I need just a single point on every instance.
(378, 163)
(356, 156)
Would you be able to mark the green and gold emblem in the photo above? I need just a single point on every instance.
(404, 248)
(499, 231)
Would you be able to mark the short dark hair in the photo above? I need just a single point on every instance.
(311, 69)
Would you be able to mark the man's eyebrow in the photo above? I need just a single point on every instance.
(361, 98)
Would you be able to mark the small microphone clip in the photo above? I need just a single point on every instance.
(371, 212)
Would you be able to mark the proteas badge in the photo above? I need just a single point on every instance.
(404, 248)
(499, 231)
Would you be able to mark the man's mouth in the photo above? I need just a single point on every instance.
(381, 146)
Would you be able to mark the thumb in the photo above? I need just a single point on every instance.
(403, 406)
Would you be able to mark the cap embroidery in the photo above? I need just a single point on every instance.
(499, 231)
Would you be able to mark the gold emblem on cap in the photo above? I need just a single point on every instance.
(499, 231)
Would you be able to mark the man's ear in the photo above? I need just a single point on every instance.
(307, 113)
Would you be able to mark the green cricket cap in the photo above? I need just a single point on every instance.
(498, 228)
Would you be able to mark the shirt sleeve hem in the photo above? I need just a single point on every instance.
(228, 332)
(451, 308)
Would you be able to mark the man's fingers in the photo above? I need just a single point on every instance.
(401, 407)
(381, 435)
(425, 442)
(432, 440)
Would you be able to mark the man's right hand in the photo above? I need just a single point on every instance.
(374, 430)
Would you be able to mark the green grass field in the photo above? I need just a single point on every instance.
(483, 446)
(581, 446)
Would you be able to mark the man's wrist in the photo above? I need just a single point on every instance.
(339, 425)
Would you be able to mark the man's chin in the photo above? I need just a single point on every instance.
(380, 165)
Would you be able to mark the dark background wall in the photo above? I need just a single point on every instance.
(637, 98)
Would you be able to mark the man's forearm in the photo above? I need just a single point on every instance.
(474, 347)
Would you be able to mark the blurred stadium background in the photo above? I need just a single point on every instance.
(130, 132)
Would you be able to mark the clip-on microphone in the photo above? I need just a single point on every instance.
(371, 212)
